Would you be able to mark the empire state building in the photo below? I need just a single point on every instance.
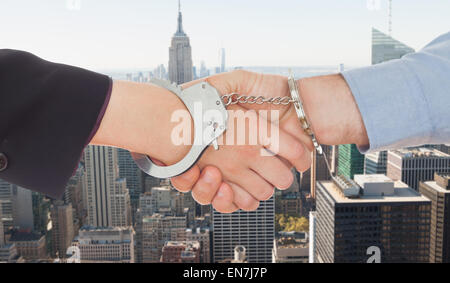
(180, 55)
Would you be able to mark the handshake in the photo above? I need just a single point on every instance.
(249, 163)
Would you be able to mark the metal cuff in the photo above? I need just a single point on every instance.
(293, 89)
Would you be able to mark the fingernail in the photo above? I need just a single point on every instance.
(208, 177)
(220, 194)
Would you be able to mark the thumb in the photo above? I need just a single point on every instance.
(187, 180)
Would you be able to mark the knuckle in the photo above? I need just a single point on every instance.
(297, 151)
(252, 206)
(266, 194)
(304, 166)
(202, 195)
(248, 204)
(249, 151)
(230, 169)
(224, 209)
(179, 186)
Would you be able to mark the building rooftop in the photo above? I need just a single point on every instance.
(160, 216)
(189, 245)
(92, 228)
(162, 189)
(442, 179)
(400, 193)
(105, 235)
(435, 186)
(419, 152)
(25, 236)
(198, 230)
(294, 234)
(291, 243)
(290, 195)
(292, 252)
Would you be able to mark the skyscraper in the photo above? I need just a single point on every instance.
(62, 227)
(372, 213)
(255, 230)
(17, 206)
(319, 169)
(385, 48)
(203, 236)
(180, 55)
(107, 198)
(153, 231)
(416, 164)
(350, 161)
(2, 231)
(375, 162)
(41, 209)
(204, 72)
(73, 195)
(129, 171)
(9, 254)
(312, 236)
(222, 60)
(160, 72)
(438, 191)
(158, 200)
(30, 245)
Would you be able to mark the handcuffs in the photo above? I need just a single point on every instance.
(210, 126)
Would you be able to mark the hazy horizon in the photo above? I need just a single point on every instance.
(136, 34)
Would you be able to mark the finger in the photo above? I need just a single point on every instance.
(242, 199)
(223, 200)
(290, 148)
(207, 185)
(287, 163)
(187, 180)
(223, 82)
(191, 83)
(274, 171)
(255, 185)
(292, 126)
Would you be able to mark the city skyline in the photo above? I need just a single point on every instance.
(113, 212)
(111, 35)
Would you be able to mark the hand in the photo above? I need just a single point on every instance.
(138, 118)
(250, 176)
(328, 103)
(251, 84)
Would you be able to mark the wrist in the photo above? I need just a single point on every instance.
(332, 111)
(138, 118)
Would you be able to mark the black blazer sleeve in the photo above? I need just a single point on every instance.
(48, 113)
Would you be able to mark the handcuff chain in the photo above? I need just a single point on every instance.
(235, 98)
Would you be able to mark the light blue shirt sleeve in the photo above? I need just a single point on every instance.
(405, 102)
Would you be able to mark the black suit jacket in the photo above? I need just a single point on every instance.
(48, 114)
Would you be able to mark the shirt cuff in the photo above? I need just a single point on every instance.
(392, 105)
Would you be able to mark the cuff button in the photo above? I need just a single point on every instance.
(3, 162)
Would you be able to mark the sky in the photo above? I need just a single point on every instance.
(105, 35)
